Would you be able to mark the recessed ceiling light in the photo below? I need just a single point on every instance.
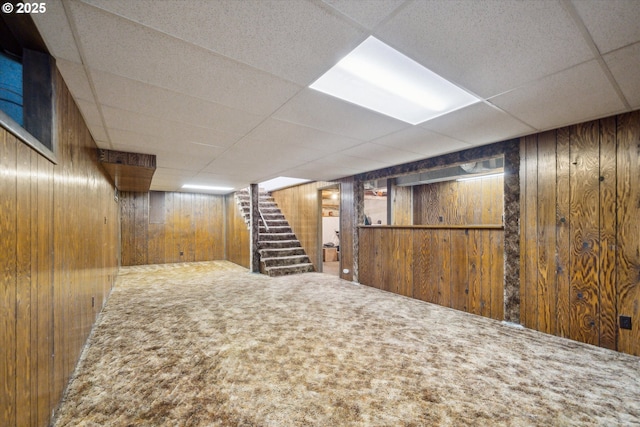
(206, 187)
(377, 77)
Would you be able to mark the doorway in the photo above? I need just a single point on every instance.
(329, 230)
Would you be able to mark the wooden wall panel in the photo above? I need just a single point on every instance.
(60, 257)
(401, 199)
(546, 233)
(192, 230)
(607, 217)
(584, 232)
(628, 233)
(579, 226)
(440, 265)
(237, 238)
(562, 232)
(459, 202)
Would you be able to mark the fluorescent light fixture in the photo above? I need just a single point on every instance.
(206, 187)
(471, 178)
(377, 77)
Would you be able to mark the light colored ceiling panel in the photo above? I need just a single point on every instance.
(320, 171)
(353, 163)
(478, 124)
(612, 23)
(90, 112)
(183, 159)
(368, 13)
(389, 155)
(323, 112)
(625, 67)
(100, 134)
(422, 141)
(140, 53)
(220, 180)
(150, 144)
(76, 79)
(154, 101)
(279, 37)
(553, 102)
(56, 31)
(489, 46)
(167, 129)
(291, 133)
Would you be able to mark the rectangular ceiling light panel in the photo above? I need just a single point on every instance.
(379, 78)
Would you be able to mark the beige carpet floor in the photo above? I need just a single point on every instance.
(210, 344)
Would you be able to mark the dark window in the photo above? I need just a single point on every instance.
(26, 83)
(11, 87)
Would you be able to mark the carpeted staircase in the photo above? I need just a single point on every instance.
(280, 251)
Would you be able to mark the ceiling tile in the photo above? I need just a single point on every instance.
(368, 13)
(179, 132)
(381, 153)
(140, 53)
(291, 133)
(152, 144)
(54, 28)
(489, 46)
(151, 100)
(422, 141)
(478, 124)
(90, 112)
(76, 79)
(575, 95)
(326, 113)
(279, 37)
(625, 66)
(612, 23)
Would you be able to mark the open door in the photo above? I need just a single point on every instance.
(329, 230)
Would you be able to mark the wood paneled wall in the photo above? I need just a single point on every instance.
(580, 228)
(59, 243)
(237, 235)
(301, 206)
(168, 227)
(477, 201)
(401, 203)
(461, 268)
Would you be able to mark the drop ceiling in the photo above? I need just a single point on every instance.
(218, 90)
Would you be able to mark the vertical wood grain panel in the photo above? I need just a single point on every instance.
(44, 316)
(442, 257)
(193, 223)
(529, 242)
(546, 233)
(584, 221)
(8, 212)
(237, 234)
(475, 271)
(628, 236)
(460, 270)
(401, 205)
(23, 286)
(496, 276)
(607, 267)
(563, 234)
(423, 271)
(433, 265)
(459, 203)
